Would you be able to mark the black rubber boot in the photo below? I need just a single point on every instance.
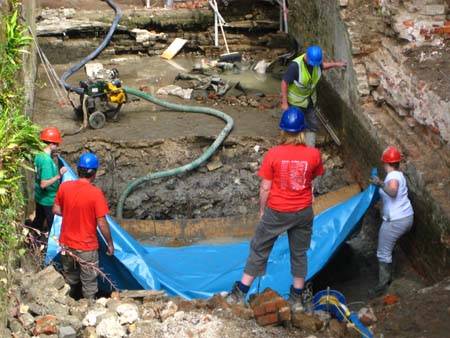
(384, 279)
(75, 291)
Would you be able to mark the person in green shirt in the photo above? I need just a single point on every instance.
(47, 178)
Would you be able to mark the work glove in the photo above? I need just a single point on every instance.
(375, 180)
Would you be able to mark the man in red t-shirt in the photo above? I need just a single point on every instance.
(82, 206)
(285, 205)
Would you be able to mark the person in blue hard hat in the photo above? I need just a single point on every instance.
(298, 87)
(285, 206)
(82, 206)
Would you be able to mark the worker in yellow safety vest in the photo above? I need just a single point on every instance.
(298, 87)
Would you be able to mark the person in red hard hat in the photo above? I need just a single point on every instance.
(397, 214)
(47, 178)
(287, 172)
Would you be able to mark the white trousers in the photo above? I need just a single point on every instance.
(390, 232)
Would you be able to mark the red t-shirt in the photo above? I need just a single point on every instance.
(81, 204)
(291, 169)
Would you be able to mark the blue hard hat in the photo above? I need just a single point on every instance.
(88, 161)
(314, 54)
(292, 120)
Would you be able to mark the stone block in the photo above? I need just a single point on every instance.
(337, 329)
(434, 9)
(129, 313)
(27, 320)
(110, 327)
(50, 277)
(363, 89)
(367, 316)
(374, 80)
(67, 332)
(243, 312)
(303, 321)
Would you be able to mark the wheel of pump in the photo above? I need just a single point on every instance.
(97, 120)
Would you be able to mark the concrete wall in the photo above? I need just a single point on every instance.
(367, 128)
(29, 72)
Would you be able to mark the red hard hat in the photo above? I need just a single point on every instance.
(391, 155)
(51, 134)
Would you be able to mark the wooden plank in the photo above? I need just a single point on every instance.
(142, 293)
(174, 48)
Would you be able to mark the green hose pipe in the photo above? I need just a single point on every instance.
(187, 167)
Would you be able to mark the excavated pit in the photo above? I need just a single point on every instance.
(217, 202)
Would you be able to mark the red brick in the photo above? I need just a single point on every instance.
(46, 325)
(270, 319)
(266, 296)
(442, 30)
(284, 314)
(408, 23)
(259, 310)
(270, 306)
(281, 303)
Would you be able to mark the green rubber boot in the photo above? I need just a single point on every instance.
(384, 279)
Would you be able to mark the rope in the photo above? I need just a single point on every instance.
(53, 78)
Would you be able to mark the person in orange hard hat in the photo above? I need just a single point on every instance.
(47, 178)
(397, 214)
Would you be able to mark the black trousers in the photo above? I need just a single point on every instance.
(43, 213)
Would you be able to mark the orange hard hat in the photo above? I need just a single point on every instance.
(391, 155)
(51, 135)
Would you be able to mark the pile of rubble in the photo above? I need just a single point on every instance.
(40, 307)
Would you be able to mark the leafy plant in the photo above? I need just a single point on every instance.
(18, 142)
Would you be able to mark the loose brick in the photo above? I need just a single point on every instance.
(270, 306)
(266, 296)
(269, 319)
(259, 310)
(284, 314)
(408, 23)
(46, 325)
(304, 321)
(281, 303)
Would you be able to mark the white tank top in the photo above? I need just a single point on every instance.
(396, 207)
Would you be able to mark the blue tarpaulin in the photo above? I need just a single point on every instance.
(200, 271)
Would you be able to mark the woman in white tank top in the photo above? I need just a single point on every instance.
(397, 215)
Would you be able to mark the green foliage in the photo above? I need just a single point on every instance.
(18, 142)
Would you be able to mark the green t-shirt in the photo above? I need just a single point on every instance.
(45, 169)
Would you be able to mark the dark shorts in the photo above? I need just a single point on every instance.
(298, 226)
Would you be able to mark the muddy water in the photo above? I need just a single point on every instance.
(159, 72)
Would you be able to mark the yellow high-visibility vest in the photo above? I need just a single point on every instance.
(299, 91)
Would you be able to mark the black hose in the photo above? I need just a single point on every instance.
(95, 53)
